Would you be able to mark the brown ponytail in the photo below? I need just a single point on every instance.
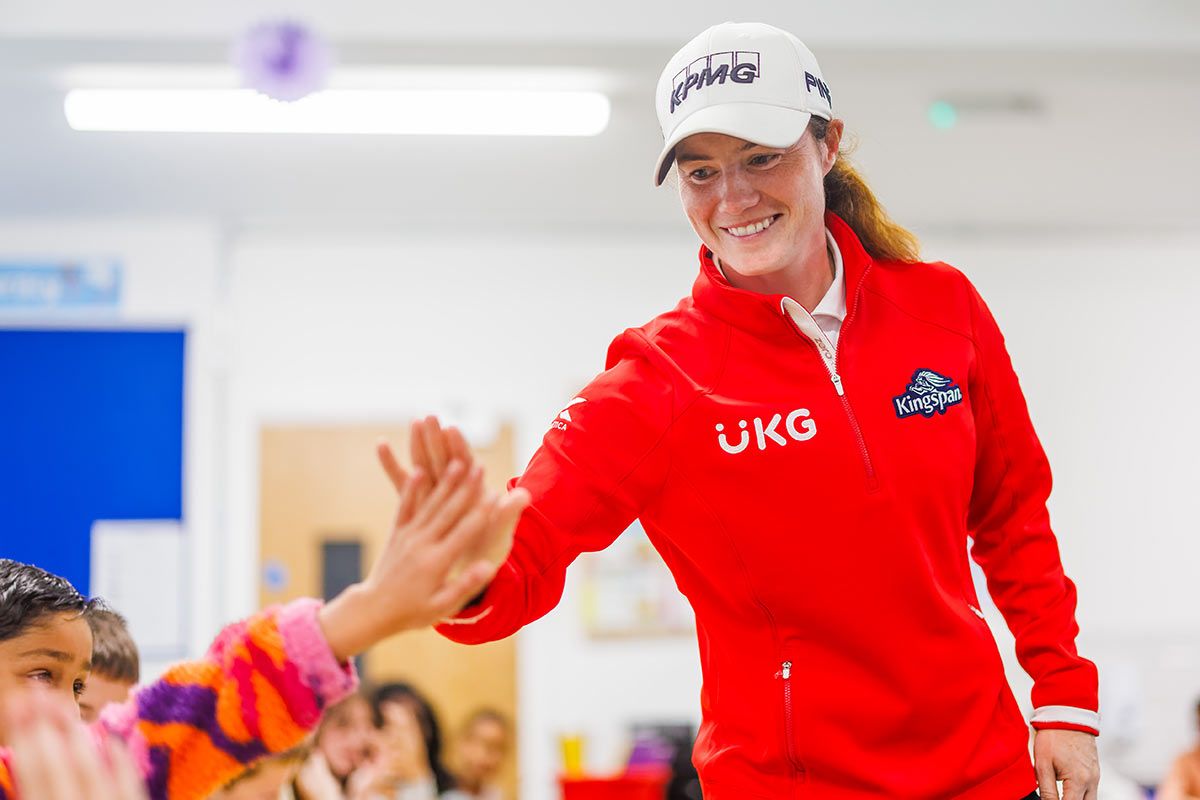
(848, 196)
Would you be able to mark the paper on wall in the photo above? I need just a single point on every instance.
(139, 568)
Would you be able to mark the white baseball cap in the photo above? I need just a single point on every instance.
(743, 79)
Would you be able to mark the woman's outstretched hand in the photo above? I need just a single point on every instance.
(434, 561)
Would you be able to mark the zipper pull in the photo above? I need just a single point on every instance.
(837, 384)
(786, 672)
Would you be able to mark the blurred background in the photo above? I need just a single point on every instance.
(203, 333)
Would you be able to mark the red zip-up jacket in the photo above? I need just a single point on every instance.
(815, 508)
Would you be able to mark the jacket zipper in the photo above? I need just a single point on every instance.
(785, 674)
(830, 363)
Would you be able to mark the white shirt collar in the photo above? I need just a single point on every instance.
(833, 304)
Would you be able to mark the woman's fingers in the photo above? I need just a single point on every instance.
(504, 519)
(459, 591)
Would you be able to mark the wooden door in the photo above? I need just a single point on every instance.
(322, 484)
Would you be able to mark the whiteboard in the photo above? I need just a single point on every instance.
(139, 568)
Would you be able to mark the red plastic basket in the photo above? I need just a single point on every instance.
(649, 786)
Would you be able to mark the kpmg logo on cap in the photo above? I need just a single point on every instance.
(739, 66)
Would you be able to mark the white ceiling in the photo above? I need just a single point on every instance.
(1111, 142)
(911, 23)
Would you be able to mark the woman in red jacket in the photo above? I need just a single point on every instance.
(809, 440)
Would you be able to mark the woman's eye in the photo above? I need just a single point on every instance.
(764, 159)
(79, 687)
(701, 174)
(42, 675)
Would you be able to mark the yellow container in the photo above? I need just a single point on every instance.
(572, 754)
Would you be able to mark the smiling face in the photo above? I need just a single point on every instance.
(54, 653)
(761, 210)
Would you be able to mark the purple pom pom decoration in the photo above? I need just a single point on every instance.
(282, 59)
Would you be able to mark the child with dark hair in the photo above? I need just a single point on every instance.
(44, 635)
(263, 684)
(115, 663)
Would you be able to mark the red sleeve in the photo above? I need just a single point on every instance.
(1013, 541)
(600, 463)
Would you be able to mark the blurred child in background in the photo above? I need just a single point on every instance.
(407, 764)
(1183, 781)
(115, 664)
(479, 753)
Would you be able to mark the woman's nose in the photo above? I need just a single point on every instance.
(737, 191)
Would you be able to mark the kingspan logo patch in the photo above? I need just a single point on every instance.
(927, 392)
(739, 66)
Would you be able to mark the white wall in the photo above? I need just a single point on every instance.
(509, 324)
(1103, 333)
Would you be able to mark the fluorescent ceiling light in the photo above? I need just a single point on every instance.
(437, 112)
(347, 76)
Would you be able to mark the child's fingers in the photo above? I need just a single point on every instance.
(38, 748)
(84, 762)
(129, 782)
(391, 466)
(469, 534)
(445, 487)
(413, 491)
(464, 497)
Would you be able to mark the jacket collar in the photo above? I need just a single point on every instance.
(763, 314)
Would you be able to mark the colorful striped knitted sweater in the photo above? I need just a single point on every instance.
(260, 689)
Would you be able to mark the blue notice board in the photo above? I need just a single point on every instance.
(91, 427)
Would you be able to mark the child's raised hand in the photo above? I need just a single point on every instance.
(432, 564)
(433, 449)
(54, 757)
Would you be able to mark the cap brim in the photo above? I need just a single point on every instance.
(771, 126)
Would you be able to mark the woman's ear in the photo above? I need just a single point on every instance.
(831, 143)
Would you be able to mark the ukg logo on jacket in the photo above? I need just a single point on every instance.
(771, 430)
(927, 392)
(739, 66)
